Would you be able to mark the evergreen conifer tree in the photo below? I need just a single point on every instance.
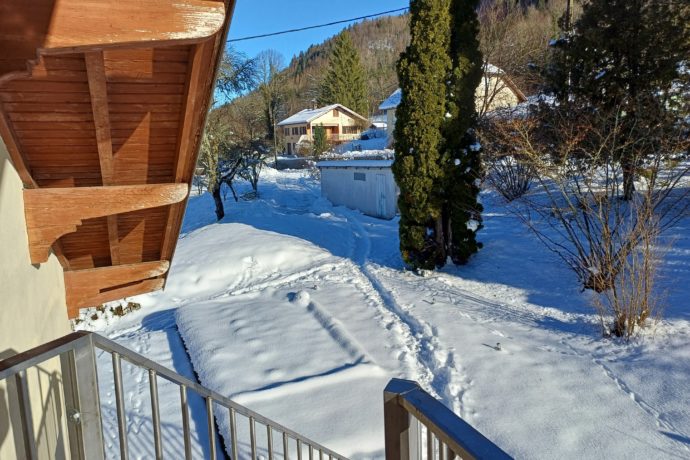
(625, 58)
(461, 162)
(320, 141)
(345, 82)
(423, 69)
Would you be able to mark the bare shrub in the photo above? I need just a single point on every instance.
(576, 208)
(633, 298)
(509, 175)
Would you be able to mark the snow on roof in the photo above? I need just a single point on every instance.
(307, 115)
(393, 100)
(355, 164)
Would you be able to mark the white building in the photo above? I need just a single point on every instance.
(366, 185)
(495, 91)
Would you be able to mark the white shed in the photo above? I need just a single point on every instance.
(366, 185)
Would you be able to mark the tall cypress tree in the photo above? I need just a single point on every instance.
(461, 162)
(345, 81)
(423, 69)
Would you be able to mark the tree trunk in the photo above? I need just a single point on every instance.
(220, 209)
(628, 166)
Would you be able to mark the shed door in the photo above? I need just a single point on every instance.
(381, 195)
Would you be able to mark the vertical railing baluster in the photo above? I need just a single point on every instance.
(120, 405)
(320, 454)
(211, 428)
(155, 414)
(450, 455)
(299, 449)
(233, 434)
(252, 436)
(286, 454)
(429, 444)
(269, 441)
(25, 416)
(311, 452)
(184, 407)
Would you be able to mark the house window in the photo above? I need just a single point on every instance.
(350, 130)
(295, 131)
(303, 130)
(361, 176)
(287, 131)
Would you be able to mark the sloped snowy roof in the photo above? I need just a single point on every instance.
(307, 115)
(355, 164)
(393, 100)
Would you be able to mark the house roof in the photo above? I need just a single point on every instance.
(308, 115)
(102, 111)
(355, 164)
(394, 99)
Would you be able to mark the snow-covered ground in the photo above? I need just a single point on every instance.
(302, 311)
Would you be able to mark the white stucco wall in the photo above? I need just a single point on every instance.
(340, 188)
(32, 311)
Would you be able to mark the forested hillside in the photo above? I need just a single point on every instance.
(379, 43)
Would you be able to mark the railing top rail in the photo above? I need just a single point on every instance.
(460, 436)
(75, 340)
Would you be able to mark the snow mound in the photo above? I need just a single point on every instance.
(300, 298)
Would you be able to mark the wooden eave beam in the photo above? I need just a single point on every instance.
(88, 288)
(197, 94)
(53, 212)
(98, 89)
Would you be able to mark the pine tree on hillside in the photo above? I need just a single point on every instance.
(422, 71)
(345, 81)
(461, 163)
(625, 57)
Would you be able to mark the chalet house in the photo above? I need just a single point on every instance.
(495, 91)
(341, 125)
(102, 109)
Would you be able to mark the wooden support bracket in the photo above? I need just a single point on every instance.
(53, 212)
(88, 288)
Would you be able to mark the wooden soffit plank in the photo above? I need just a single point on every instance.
(87, 288)
(53, 212)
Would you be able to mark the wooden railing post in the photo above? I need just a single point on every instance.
(401, 430)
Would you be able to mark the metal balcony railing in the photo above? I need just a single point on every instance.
(418, 427)
(76, 353)
(413, 418)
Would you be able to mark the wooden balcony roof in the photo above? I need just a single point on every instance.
(102, 105)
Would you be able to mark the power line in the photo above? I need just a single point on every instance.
(317, 26)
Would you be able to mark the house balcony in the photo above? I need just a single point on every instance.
(417, 426)
(340, 138)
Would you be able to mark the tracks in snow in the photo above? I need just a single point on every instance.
(434, 366)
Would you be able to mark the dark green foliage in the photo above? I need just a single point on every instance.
(461, 162)
(623, 59)
(320, 141)
(422, 72)
(345, 81)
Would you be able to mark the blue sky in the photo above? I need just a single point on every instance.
(254, 17)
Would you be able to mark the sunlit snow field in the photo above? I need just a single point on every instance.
(302, 311)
